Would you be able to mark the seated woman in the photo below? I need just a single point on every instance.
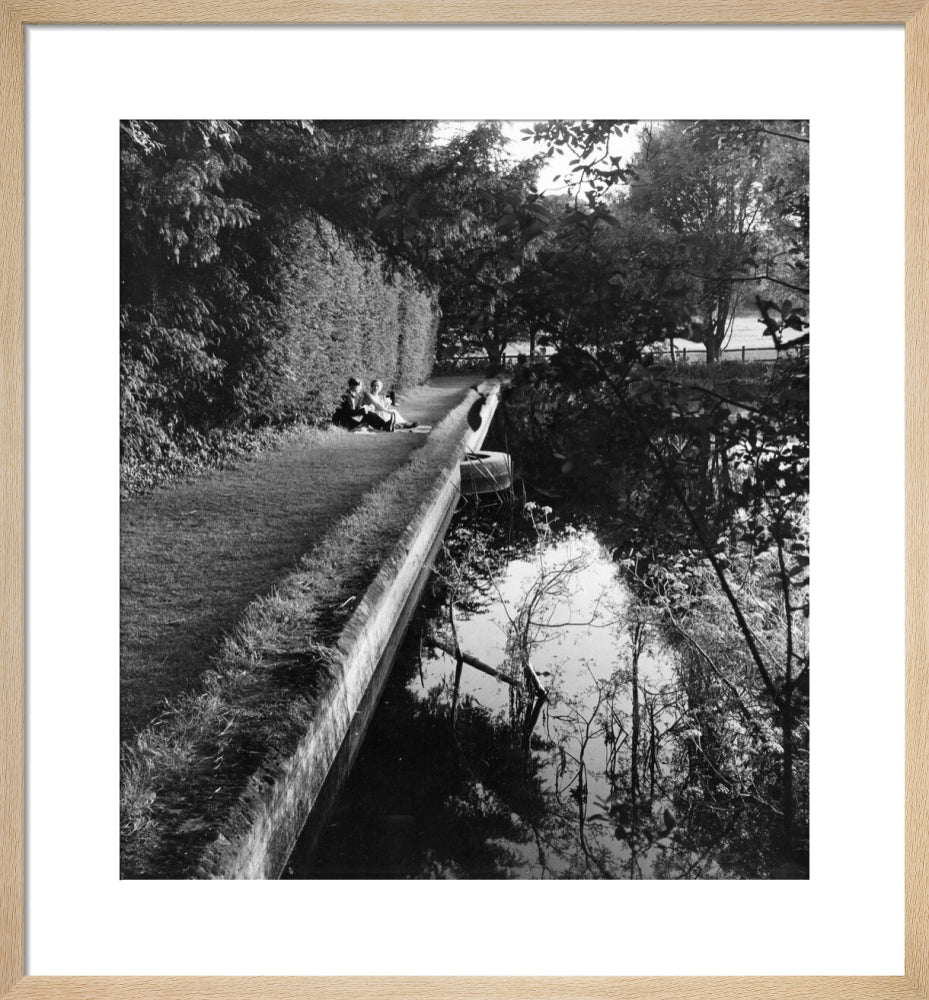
(379, 405)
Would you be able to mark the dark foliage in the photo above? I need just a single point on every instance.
(252, 281)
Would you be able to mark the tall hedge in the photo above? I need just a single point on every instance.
(339, 316)
(325, 313)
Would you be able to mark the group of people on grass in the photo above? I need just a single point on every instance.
(369, 411)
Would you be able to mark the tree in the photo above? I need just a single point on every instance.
(707, 195)
(469, 220)
(179, 297)
(704, 498)
(704, 492)
(600, 280)
(209, 209)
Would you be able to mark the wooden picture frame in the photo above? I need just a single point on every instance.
(14, 17)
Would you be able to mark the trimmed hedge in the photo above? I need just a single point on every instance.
(338, 316)
(325, 313)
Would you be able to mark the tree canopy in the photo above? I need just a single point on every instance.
(209, 211)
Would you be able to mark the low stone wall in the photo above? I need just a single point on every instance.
(373, 632)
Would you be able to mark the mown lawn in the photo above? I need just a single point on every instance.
(194, 556)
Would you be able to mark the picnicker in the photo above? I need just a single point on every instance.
(378, 404)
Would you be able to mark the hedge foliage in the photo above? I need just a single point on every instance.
(338, 316)
(242, 306)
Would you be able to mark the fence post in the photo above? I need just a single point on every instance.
(743, 354)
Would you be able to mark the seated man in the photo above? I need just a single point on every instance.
(378, 405)
(350, 413)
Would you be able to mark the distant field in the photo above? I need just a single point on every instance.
(746, 332)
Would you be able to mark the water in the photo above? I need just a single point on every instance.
(600, 778)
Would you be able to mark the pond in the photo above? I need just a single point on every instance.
(539, 722)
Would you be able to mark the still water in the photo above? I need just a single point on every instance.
(576, 760)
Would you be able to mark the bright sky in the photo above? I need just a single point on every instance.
(521, 147)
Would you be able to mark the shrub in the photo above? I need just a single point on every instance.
(250, 282)
(339, 316)
(327, 313)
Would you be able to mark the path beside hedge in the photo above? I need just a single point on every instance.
(192, 557)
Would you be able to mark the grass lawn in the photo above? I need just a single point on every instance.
(198, 773)
(194, 556)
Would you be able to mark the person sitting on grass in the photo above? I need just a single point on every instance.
(350, 413)
(379, 405)
(353, 415)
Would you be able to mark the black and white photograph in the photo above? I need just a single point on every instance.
(464, 499)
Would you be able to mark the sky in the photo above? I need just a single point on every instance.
(559, 164)
(521, 147)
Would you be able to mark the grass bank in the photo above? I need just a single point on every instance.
(225, 450)
(193, 556)
(196, 774)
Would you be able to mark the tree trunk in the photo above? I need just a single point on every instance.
(494, 351)
(716, 327)
(653, 750)
(787, 783)
(636, 649)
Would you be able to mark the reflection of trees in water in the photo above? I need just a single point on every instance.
(476, 552)
(635, 787)
(645, 780)
(628, 772)
(429, 800)
(702, 483)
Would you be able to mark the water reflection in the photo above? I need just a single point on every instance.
(539, 723)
